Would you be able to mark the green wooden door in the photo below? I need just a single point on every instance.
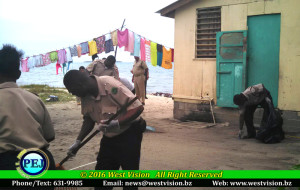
(263, 52)
(231, 66)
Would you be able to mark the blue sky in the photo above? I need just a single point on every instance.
(37, 26)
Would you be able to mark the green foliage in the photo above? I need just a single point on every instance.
(296, 167)
(43, 91)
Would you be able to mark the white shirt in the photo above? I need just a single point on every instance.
(126, 83)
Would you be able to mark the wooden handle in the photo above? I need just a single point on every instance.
(97, 131)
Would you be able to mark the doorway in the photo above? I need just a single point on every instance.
(263, 52)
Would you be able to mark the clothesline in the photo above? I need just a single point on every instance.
(101, 36)
(88, 40)
(147, 38)
(134, 43)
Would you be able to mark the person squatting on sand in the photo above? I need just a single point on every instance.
(24, 120)
(101, 97)
(248, 102)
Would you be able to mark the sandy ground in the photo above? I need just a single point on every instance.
(177, 145)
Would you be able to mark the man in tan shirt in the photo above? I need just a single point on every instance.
(102, 97)
(104, 67)
(138, 71)
(24, 120)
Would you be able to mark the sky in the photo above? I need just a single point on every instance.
(38, 27)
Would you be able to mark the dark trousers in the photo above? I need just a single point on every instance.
(250, 113)
(122, 151)
(146, 87)
(8, 160)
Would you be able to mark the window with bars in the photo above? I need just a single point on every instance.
(208, 24)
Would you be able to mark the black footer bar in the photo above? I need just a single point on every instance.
(43, 183)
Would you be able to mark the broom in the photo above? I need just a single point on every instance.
(59, 166)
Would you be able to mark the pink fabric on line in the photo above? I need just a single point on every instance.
(57, 67)
(62, 56)
(24, 65)
(143, 49)
(148, 50)
(46, 59)
(123, 38)
(130, 47)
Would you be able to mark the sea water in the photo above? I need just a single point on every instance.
(161, 80)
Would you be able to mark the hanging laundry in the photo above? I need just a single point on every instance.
(148, 50)
(73, 51)
(109, 46)
(123, 38)
(130, 47)
(41, 60)
(35, 61)
(172, 54)
(64, 66)
(137, 45)
(62, 57)
(108, 43)
(114, 37)
(68, 55)
(159, 54)
(24, 63)
(69, 64)
(93, 48)
(57, 67)
(46, 59)
(100, 44)
(153, 53)
(84, 48)
(142, 48)
(53, 56)
(167, 58)
(79, 50)
(38, 61)
(30, 62)
(107, 37)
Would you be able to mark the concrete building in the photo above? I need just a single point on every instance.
(224, 46)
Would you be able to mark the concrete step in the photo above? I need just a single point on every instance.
(291, 119)
(201, 112)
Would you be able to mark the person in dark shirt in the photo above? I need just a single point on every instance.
(248, 101)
